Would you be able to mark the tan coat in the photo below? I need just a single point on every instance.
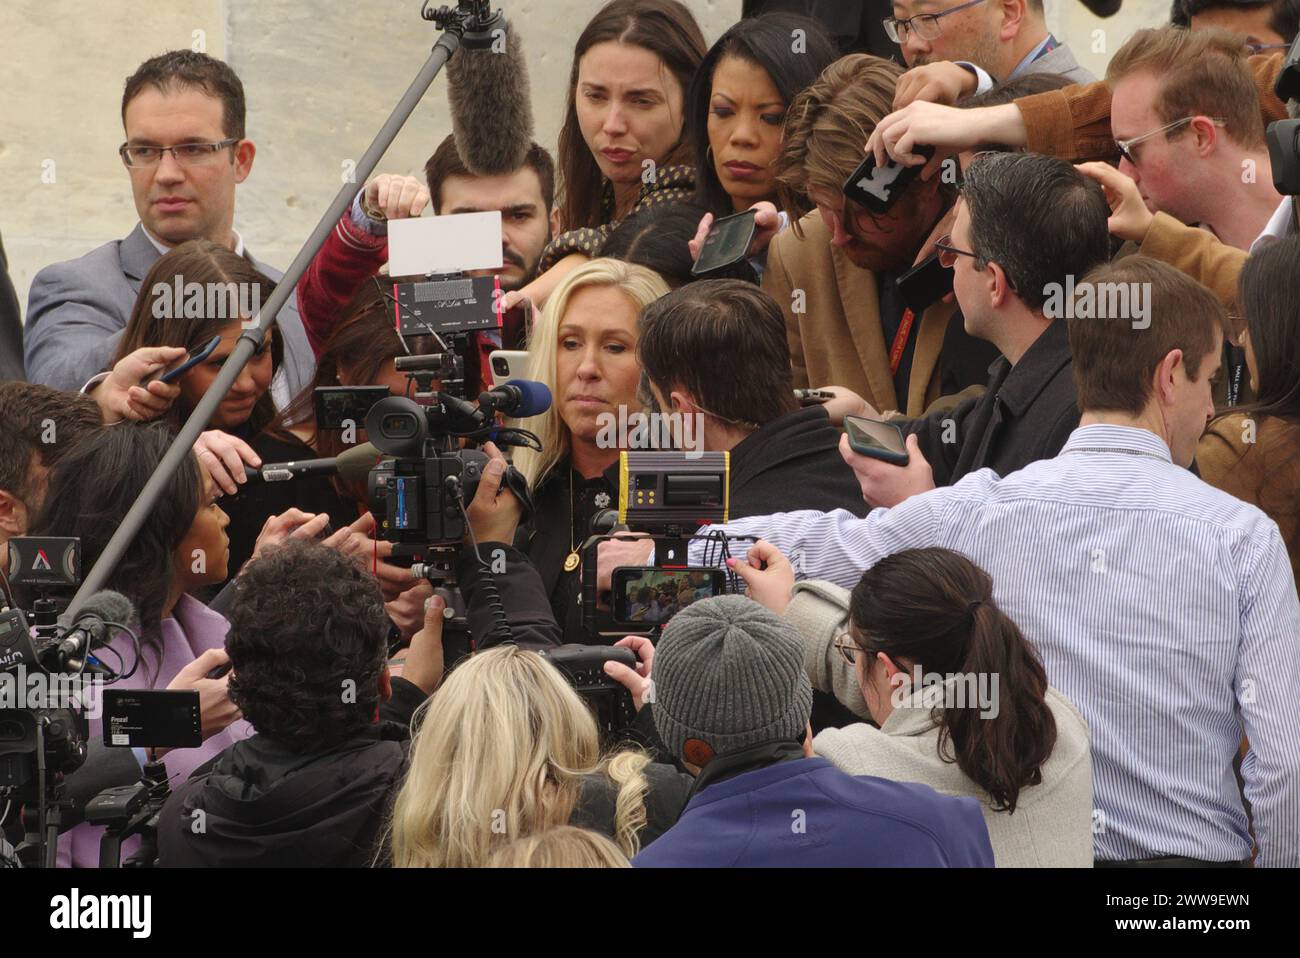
(837, 339)
(1265, 473)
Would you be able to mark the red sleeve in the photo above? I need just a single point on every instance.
(349, 257)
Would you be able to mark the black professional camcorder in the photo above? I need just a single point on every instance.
(1284, 135)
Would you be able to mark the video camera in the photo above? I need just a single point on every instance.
(668, 496)
(1283, 136)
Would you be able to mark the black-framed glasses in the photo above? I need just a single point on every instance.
(186, 154)
(948, 253)
(926, 25)
(1125, 147)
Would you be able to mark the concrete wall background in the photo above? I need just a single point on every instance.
(320, 78)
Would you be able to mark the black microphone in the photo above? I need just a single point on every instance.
(491, 108)
(90, 628)
(350, 466)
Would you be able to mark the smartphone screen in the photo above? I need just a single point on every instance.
(726, 243)
(878, 187)
(881, 440)
(648, 596)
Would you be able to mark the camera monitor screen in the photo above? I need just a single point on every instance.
(649, 596)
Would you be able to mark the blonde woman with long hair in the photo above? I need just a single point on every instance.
(506, 749)
(584, 348)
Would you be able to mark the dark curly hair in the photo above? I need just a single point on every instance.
(307, 642)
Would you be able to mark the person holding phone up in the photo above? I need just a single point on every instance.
(1025, 224)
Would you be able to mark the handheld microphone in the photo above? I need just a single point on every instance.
(352, 465)
(519, 398)
(90, 628)
(491, 107)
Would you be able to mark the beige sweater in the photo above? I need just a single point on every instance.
(1052, 823)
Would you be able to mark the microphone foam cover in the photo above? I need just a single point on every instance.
(536, 398)
(491, 110)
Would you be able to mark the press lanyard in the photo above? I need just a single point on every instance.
(900, 341)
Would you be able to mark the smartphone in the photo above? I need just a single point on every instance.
(508, 364)
(727, 243)
(813, 397)
(880, 440)
(878, 187)
(645, 596)
(925, 284)
(195, 357)
(336, 406)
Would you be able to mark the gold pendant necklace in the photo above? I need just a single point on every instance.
(572, 560)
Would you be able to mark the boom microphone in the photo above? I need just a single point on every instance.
(91, 628)
(491, 109)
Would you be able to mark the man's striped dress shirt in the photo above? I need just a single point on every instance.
(1165, 609)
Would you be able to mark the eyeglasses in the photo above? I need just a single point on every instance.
(1125, 147)
(926, 25)
(1255, 49)
(186, 154)
(948, 253)
(846, 647)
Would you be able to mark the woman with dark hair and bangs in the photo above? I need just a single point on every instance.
(1253, 452)
(622, 147)
(181, 546)
(956, 693)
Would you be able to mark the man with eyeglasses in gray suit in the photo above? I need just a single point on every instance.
(185, 153)
(995, 40)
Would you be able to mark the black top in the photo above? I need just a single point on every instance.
(257, 501)
(1027, 413)
(565, 503)
(793, 463)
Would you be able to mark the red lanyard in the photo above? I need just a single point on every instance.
(900, 341)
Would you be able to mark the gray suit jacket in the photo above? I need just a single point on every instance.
(11, 326)
(1061, 61)
(78, 309)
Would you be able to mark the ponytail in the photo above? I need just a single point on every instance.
(934, 609)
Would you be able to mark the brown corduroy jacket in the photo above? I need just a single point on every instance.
(836, 339)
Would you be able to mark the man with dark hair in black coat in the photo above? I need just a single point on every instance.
(716, 353)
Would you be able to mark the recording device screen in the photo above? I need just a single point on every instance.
(726, 243)
(648, 595)
(880, 440)
(878, 187)
(160, 718)
(336, 406)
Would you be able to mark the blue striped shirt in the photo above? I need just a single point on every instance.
(1165, 609)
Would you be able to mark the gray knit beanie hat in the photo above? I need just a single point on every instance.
(730, 673)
